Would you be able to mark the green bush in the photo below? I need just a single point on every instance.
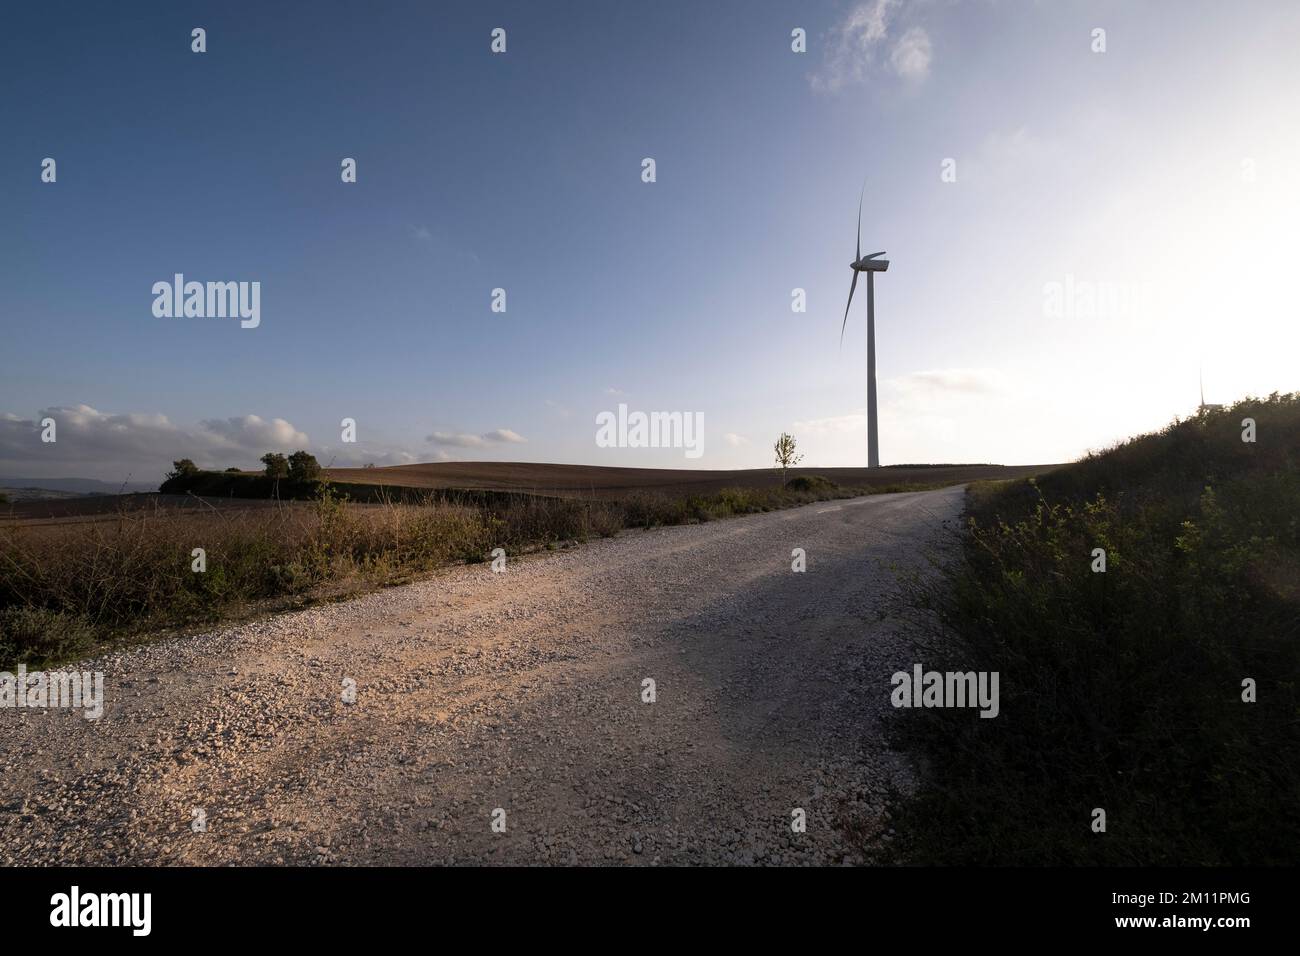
(35, 636)
(816, 484)
(1123, 689)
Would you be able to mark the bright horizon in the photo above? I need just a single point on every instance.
(1158, 180)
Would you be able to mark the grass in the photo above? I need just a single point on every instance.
(67, 591)
(1123, 690)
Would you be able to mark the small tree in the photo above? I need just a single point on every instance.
(303, 467)
(277, 466)
(183, 469)
(785, 454)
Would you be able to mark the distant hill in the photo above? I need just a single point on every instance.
(15, 488)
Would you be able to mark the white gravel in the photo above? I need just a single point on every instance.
(520, 691)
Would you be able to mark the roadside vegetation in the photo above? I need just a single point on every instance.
(68, 590)
(1123, 689)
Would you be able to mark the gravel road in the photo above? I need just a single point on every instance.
(522, 691)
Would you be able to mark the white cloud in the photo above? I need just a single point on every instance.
(833, 425)
(466, 440)
(855, 47)
(91, 443)
(96, 444)
(250, 431)
(734, 440)
(969, 381)
(456, 440)
(911, 56)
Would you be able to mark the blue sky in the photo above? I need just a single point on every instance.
(1163, 175)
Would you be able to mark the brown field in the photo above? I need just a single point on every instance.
(61, 511)
(562, 481)
(597, 481)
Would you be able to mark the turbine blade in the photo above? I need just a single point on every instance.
(853, 286)
(860, 195)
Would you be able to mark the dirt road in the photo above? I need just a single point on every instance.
(516, 698)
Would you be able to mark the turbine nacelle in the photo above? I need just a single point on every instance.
(870, 263)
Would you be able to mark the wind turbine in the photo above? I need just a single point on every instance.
(870, 265)
(1203, 408)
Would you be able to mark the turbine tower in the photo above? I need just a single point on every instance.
(870, 265)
